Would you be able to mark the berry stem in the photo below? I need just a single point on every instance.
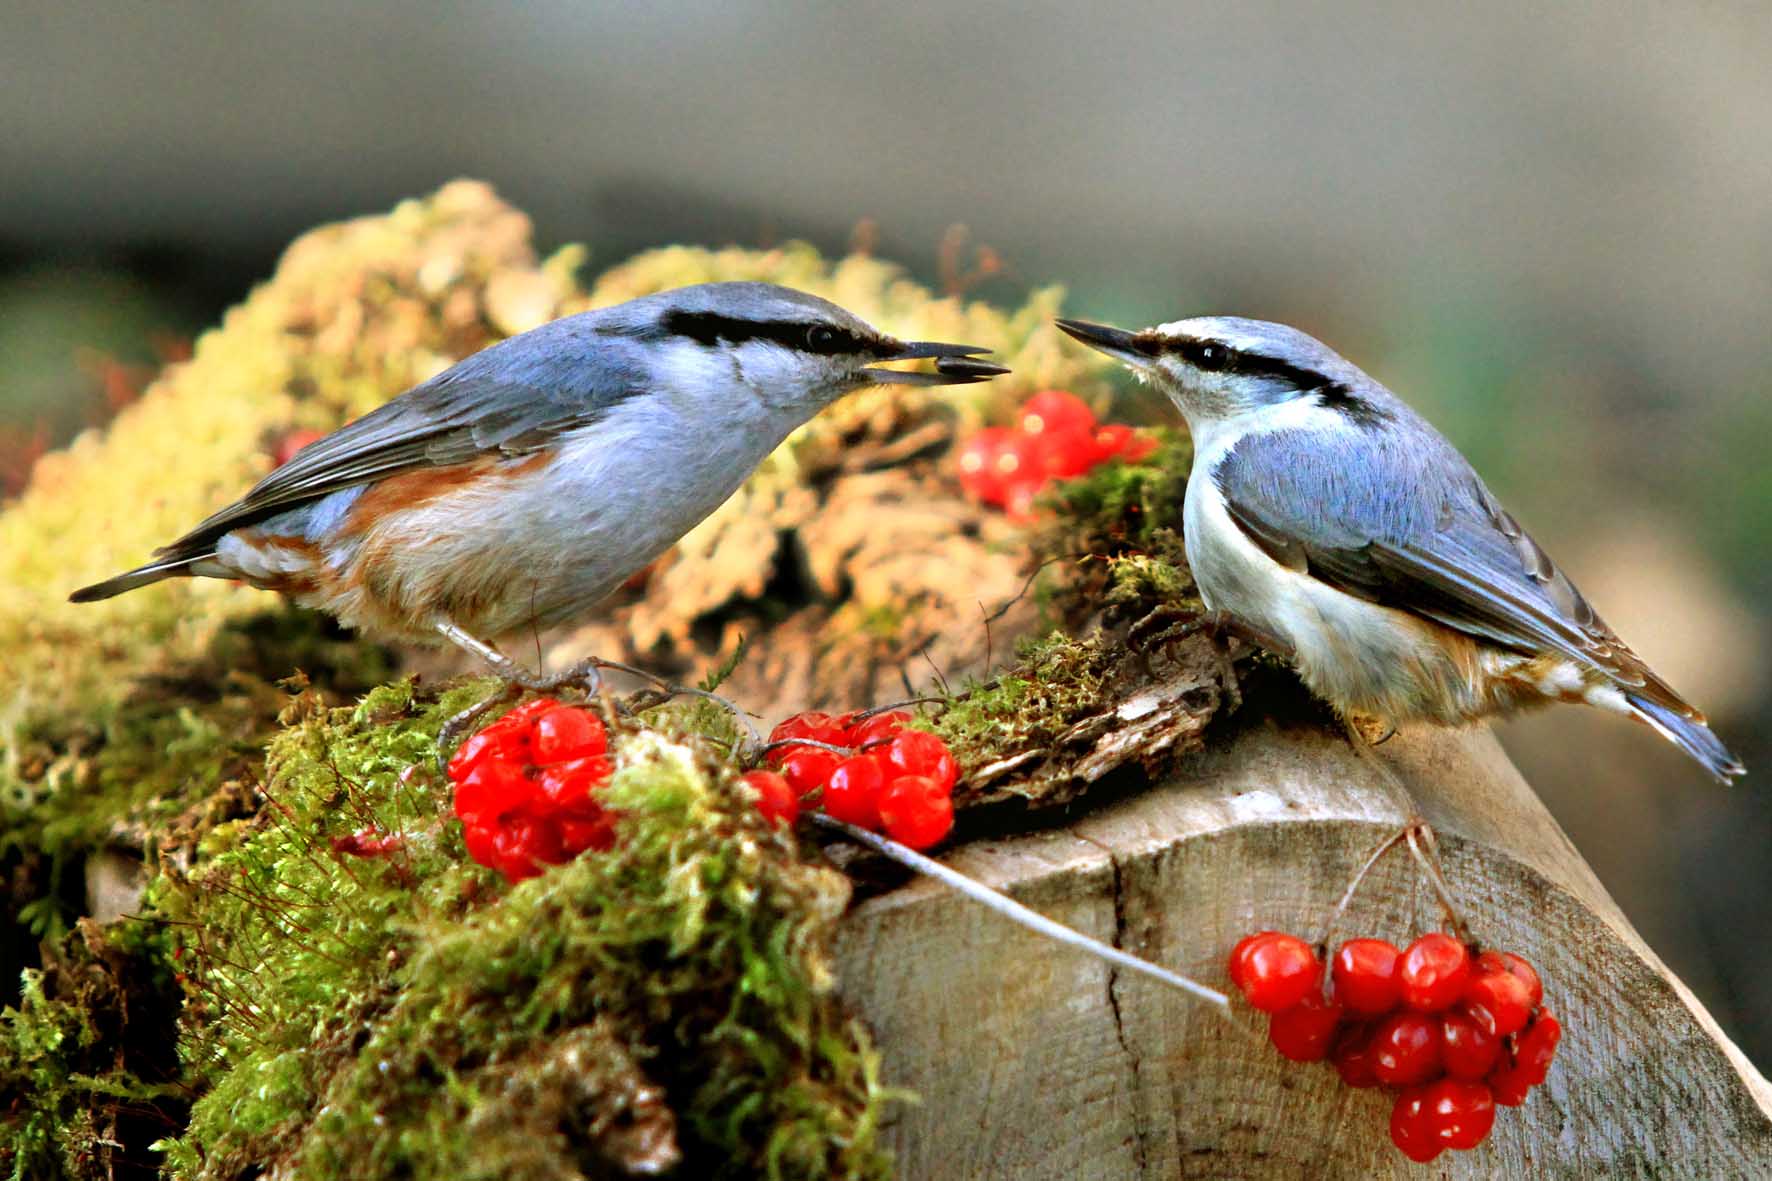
(1359, 879)
(1419, 833)
(764, 751)
(875, 710)
(1017, 913)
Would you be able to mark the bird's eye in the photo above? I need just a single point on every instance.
(1212, 357)
(820, 339)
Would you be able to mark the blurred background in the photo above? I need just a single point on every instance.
(1548, 226)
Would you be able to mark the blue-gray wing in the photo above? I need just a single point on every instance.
(1405, 522)
(487, 404)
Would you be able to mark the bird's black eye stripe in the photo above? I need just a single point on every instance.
(1214, 356)
(711, 328)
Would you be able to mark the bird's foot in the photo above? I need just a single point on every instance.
(1171, 623)
(587, 674)
(660, 690)
(1372, 730)
(461, 721)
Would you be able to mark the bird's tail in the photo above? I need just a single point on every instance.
(140, 576)
(1690, 735)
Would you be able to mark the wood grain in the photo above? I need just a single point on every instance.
(1033, 1061)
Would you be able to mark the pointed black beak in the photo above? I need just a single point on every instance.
(1114, 342)
(955, 364)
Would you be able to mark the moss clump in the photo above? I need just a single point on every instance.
(406, 1016)
(1116, 537)
(87, 1072)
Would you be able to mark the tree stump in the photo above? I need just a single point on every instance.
(1034, 1061)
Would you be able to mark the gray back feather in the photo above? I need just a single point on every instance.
(512, 398)
(1394, 514)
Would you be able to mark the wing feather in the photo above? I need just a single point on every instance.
(484, 405)
(1410, 526)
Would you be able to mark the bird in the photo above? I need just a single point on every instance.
(1332, 524)
(522, 485)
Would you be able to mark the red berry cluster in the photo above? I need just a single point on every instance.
(899, 781)
(524, 784)
(1458, 1034)
(1055, 437)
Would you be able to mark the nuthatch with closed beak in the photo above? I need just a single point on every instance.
(1332, 523)
(524, 484)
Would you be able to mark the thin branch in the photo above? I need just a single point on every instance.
(1017, 913)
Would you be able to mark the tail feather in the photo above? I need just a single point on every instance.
(131, 579)
(1690, 735)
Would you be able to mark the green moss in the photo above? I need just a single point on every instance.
(1116, 533)
(1056, 681)
(85, 1057)
(407, 1016)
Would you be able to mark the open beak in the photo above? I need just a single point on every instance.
(955, 364)
(1115, 342)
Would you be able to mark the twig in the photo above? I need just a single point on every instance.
(1017, 913)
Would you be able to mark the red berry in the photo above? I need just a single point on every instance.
(1137, 448)
(591, 831)
(1365, 975)
(1275, 971)
(1410, 1129)
(1055, 412)
(569, 785)
(492, 789)
(1528, 1063)
(1498, 1000)
(287, 447)
(820, 727)
(522, 842)
(484, 745)
(1352, 1056)
(1535, 1048)
(529, 711)
(982, 472)
(1111, 438)
(1304, 1032)
(1507, 961)
(1467, 1050)
(808, 768)
(852, 792)
(918, 752)
(1509, 1086)
(367, 842)
(1434, 971)
(916, 811)
(775, 799)
(876, 730)
(1063, 453)
(1019, 501)
(567, 732)
(1405, 1049)
(1460, 1113)
(478, 838)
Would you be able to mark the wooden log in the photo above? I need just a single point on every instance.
(1034, 1061)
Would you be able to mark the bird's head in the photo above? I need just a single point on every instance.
(793, 351)
(1218, 368)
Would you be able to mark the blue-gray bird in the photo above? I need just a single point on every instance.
(523, 485)
(1330, 521)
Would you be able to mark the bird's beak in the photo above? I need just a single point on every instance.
(1115, 342)
(955, 364)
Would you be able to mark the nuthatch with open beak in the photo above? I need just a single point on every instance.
(1332, 523)
(524, 484)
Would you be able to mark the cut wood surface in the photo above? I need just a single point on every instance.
(1034, 1061)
